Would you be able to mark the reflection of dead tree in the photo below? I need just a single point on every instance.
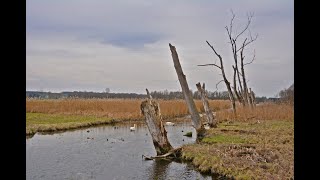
(187, 94)
(159, 169)
(210, 118)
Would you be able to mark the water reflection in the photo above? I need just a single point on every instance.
(105, 152)
(158, 169)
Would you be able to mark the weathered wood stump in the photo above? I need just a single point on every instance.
(150, 109)
(210, 118)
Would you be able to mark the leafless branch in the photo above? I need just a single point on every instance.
(249, 22)
(254, 57)
(213, 49)
(218, 84)
(247, 43)
(209, 65)
(233, 16)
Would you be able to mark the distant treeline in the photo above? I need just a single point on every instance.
(155, 94)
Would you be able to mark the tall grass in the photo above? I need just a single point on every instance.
(114, 108)
(267, 111)
(130, 108)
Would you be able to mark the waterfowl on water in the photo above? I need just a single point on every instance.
(133, 128)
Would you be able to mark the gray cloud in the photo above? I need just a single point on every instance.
(91, 45)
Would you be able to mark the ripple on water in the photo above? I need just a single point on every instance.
(105, 152)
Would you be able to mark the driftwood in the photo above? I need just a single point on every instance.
(172, 154)
(150, 109)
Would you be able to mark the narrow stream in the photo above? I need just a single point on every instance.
(105, 152)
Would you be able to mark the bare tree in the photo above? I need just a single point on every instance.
(244, 97)
(221, 67)
(187, 94)
(239, 78)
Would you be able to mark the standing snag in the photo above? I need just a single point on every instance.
(239, 78)
(150, 109)
(186, 92)
(221, 67)
(210, 118)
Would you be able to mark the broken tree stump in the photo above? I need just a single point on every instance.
(210, 118)
(150, 109)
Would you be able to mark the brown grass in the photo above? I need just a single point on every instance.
(113, 108)
(246, 150)
(267, 111)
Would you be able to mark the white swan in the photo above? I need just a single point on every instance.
(169, 123)
(133, 128)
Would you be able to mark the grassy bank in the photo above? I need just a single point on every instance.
(246, 150)
(40, 122)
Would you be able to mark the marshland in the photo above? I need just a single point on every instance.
(255, 143)
(159, 90)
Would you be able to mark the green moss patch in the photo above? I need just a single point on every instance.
(40, 122)
(223, 139)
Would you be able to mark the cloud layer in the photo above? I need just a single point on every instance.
(123, 45)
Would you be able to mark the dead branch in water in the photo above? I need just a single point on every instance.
(172, 154)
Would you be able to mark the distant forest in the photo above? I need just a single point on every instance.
(166, 95)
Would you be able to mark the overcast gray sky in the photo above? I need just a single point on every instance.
(123, 44)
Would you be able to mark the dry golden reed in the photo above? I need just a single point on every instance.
(130, 108)
(266, 111)
(114, 108)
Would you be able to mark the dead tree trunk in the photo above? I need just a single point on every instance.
(245, 87)
(187, 95)
(231, 96)
(239, 97)
(252, 98)
(210, 118)
(150, 109)
(233, 41)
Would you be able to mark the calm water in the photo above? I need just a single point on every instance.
(105, 152)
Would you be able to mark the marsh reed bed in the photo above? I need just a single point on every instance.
(63, 114)
(113, 108)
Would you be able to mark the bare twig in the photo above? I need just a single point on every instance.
(249, 22)
(251, 40)
(213, 50)
(217, 85)
(233, 16)
(210, 65)
(254, 57)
